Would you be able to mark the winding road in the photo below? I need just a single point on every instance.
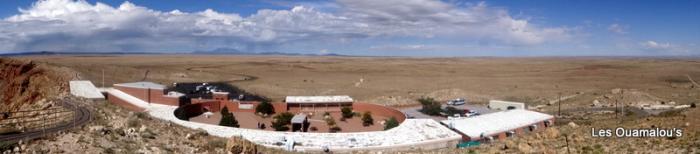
(82, 116)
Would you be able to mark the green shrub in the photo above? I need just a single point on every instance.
(430, 106)
(367, 119)
(330, 122)
(391, 123)
(228, 120)
(452, 111)
(334, 129)
(265, 107)
(281, 121)
(347, 112)
(224, 111)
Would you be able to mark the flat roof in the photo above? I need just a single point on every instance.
(142, 85)
(497, 122)
(318, 99)
(299, 118)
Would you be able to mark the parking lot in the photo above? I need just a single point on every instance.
(413, 112)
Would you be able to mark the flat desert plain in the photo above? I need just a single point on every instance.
(399, 81)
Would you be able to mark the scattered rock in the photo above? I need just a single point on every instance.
(237, 145)
(551, 133)
(189, 136)
(97, 128)
(595, 103)
(572, 125)
(616, 91)
(201, 132)
(509, 144)
(143, 128)
(131, 132)
(524, 147)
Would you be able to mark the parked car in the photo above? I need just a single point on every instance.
(458, 101)
(472, 113)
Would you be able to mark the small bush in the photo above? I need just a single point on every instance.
(228, 120)
(367, 119)
(215, 144)
(224, 111)
(334, 129)
(132, 122)
(279, 126)
(452, 111)
(430, 106)
(391, 123)
(313, 128)
(265, 107)
(692, 105)
(281, 121)
(347, 112)
(330, 122)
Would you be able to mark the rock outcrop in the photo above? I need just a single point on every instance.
(24, 83)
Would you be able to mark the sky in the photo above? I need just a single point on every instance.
(447, 28)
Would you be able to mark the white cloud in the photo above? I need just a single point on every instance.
(67, 25)
(656, 46)
(617, 28)
(668, 48)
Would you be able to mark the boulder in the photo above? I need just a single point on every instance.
(143, 128)
(551, 133)
(572, 125)
(97, 128)
(616, 91)
(596, 103)
(525, 148)
(238, 145)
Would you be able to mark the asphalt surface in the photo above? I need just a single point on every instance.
(82, 116)
(412, 112)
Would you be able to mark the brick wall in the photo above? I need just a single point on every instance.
(158, 97)
(150, 95)
(117, 101)
(280, 107)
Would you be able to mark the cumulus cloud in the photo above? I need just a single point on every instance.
(668, 48)
(68, 25)
(617, 28)
(655, 45)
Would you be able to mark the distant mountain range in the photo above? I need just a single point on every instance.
(220, 51)
(230, 51)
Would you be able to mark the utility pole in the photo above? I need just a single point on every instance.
(559, 101)
(616, 108)
(622, 106)
(103, 77)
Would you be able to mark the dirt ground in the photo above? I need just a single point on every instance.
(582, 83)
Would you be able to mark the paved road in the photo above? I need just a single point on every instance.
(82, 116)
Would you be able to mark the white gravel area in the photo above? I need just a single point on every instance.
(85, 89)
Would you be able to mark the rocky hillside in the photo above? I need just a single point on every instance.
(25, 85)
